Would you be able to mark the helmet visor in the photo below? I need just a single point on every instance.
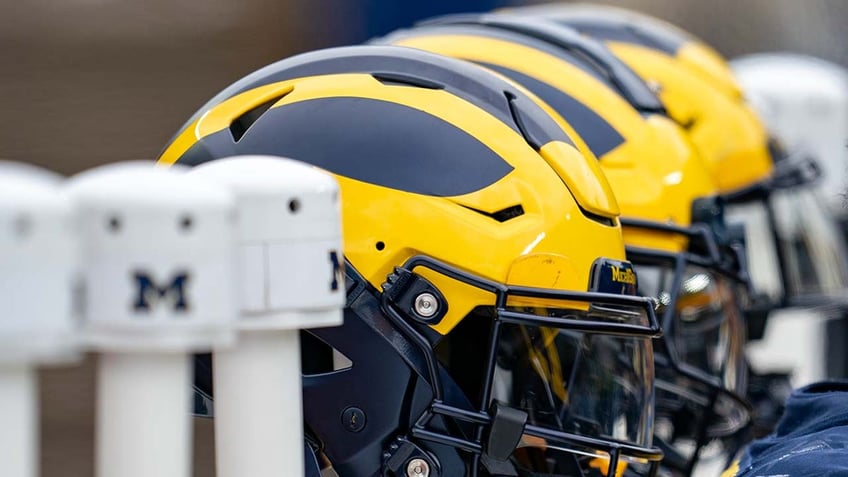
(703, 323)
(681, 402)
(697, 425)
(579, 364)
(701, 372)
(583, 383)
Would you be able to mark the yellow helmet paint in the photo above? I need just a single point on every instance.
(655, 171)
(694, 82)
(731, 471)
(552, 226)
(727, 132)
(456, 183)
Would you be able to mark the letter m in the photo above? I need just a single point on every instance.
(148, 292)
(616, 274)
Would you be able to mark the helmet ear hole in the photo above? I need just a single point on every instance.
(380, 245)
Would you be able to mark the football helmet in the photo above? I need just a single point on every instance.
(804, 101)
(478, 240)
(701, 93)
(671, 215)
(698, 88)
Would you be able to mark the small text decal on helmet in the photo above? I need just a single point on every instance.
(613, 276)
(623, 275)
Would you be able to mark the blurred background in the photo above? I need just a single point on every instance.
(85, 82)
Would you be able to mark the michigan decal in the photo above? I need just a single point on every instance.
(149, 293)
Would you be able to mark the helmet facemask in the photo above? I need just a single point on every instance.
(399, 398)
(577, 368)
(701, 413)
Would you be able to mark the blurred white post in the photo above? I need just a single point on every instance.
(158, 266)
(290, 259)
(37, 326)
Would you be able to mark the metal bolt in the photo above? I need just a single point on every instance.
(417, 468)
(426, 305)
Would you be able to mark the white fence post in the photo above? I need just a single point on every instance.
(37, 326)
(290, 278)
(158, 263)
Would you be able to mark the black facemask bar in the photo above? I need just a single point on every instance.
(667, 357)
(706, 248)
(791, 170)
(482, 418)
(725, 258)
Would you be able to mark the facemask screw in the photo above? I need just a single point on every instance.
(417, 467)
(426, 305)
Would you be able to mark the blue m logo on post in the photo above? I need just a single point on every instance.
(148, 292)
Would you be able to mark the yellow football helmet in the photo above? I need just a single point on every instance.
(673, 228)
(477, 238)
(698, 87)
(752, 170)
(693, 81)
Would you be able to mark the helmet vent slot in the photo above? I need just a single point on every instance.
(515, 111)
(598, 218)
(241, 124)
(502, 215)
(400, 79)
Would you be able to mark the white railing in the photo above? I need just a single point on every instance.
(146, 265)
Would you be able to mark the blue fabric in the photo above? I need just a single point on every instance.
(810, 439)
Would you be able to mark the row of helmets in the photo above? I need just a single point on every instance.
(542, 273)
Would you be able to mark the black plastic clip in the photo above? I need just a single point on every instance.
(506, 431)
(401, 452)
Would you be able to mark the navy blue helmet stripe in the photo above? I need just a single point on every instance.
(498, 34)
(641, 34)
(571, 42)
(384, 145)
(460, 78)
(598, 134)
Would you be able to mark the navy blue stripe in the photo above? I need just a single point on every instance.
(643, 34)
(598, 134)
(457, 77)
(497, 34)
(373, 141)
(620, 76)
